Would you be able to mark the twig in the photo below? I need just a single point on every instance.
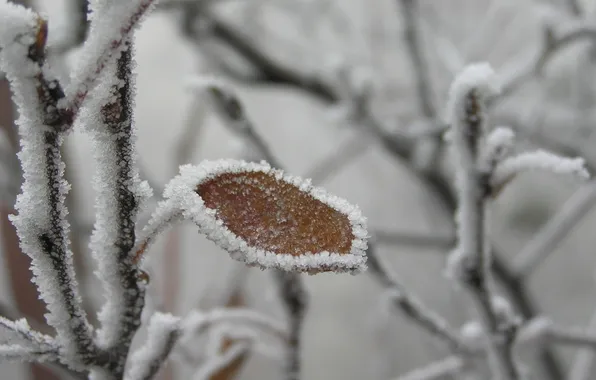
(44, 233)
(467, 106)
(294, 298)
(119, 195)
(412, 307)
(419, 63)
(554, 232)
(551, 48)
(163, 334)
(451, 365)
(414, 239)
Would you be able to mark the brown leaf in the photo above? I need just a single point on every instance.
(271, 220)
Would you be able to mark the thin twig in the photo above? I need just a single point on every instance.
(450, 365)
(555, 231)
(414, 239)
(412, 307)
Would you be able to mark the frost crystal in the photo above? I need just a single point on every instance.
(266, 218)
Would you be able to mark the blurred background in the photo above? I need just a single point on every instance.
(351, 93)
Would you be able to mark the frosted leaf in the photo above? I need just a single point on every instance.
(162, 335)
(539, 160)
(266, 218)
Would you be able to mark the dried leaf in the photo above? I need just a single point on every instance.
(269, 219)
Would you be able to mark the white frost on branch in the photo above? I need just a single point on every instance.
(112, 24)
(163, 332)
(16, 352)
(41, 220)
(19, 332)
(120, 194)
(538, 160)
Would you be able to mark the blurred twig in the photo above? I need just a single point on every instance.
(556, 229)
(413, 308)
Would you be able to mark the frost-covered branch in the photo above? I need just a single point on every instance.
(120, 193)
(112, 25)
(470, 262)
(41, 221)
(20, 332)
(27, 354)
(163, 333)
(411, 307)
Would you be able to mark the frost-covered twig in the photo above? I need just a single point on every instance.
(21, 333)
(450, 365)
(112, 25)
(120, 193)
(554, 232)
(163, 333)
(15, 352)
(412, 307)
(470, 262)
(41, 221)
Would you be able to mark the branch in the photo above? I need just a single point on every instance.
(112, 25)
(552, 46)
(294, 299)
(451, 365)
(119, 196)
(163, 333)
(41, 221)
(419, 62)
(411, 307)
(470, 262)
